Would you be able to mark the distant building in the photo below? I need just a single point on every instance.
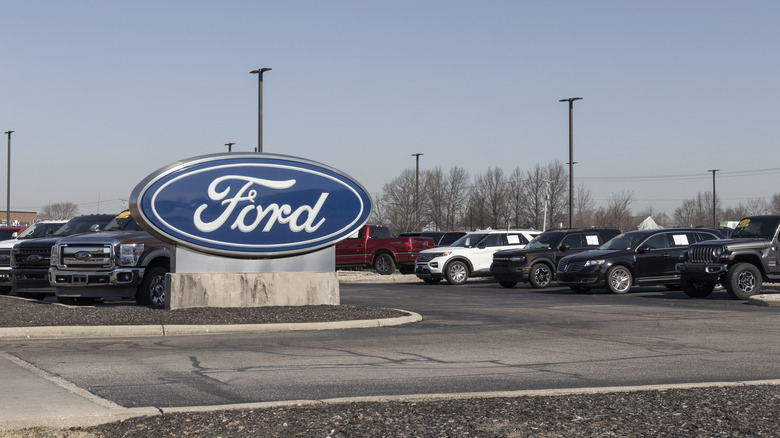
(19, 217)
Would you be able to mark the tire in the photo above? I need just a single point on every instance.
(508, 284)
(580, 289)
(432, 280)
(457, 273)
(406, 269)
(5, 290)
(619, 280)
(696, 290)
(742, 281)
(152, 290)
(540, 276)
(384, 264)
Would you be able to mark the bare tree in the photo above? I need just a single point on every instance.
(492, 189)
(457, 184)
(397, 202)
(59, 211)
(617, 213)
(695, 212)
(774, 205)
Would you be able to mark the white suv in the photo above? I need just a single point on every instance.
(469, 256)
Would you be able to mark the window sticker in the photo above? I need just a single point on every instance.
(743, 223)
(681, 239)
(513, 239)
(592, 240)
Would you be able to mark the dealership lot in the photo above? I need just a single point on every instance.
(478, 337)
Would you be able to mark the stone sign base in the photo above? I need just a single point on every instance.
(251, 289)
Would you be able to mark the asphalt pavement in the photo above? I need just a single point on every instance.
(32, 397)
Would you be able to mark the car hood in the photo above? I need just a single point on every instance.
(104, 237)
(734, 244)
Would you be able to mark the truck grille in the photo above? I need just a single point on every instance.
(702, 254)
(5, 258)
(32, 258)
(424, 257)
(86, 256)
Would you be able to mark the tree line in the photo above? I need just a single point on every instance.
(536, 198)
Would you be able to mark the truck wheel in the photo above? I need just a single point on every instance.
(742, 281)
(431, 280)
(457, 273)
(508, 284)
(5, 290)
(619, 280)
(696, 290)
(406, 269)
(384, 264)
(540, 276)
(152, 289)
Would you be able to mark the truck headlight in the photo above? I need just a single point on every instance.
(517, 259)
(594, 262)
(54, 258)
(130, 253)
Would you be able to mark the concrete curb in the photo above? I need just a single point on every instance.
(114, 331)
(112, 415)
(770, 300)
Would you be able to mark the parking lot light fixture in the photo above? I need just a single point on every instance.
(259, 72)
(571, 155)
(230, 146)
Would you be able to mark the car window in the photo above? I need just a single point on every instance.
(572, 241)
(657, 241)
(591, 240)
(700, 237)
(683, 239)
(494, 240)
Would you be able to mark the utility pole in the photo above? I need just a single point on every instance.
(8, 186)
(714, 224)
(571, 155)
(417, 191)
(259, 72)
(546, 201)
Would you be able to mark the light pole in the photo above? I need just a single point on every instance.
(259, 72)
(8, 185)
(571, 155)
(417, 190)
(230, 146)
(713, 195)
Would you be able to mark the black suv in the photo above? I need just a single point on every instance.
(30, 259)
(643, 257)
(536, 262)
(741, 264)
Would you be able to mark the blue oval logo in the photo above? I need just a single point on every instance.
(250, 205)
(82, 256)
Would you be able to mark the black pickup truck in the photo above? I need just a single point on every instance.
(741, 264)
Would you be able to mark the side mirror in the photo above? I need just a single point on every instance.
(643, 249)
(482, 246)
(95, 228)
(564, 247)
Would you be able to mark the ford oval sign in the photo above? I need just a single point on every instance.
(250, 205)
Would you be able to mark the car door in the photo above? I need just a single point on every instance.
(576, 243)
(482, 256)
(652, 256)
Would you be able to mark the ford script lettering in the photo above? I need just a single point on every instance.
(250, 205)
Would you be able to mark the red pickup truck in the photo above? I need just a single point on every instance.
(374, 246)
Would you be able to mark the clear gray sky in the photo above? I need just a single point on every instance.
(100, 94)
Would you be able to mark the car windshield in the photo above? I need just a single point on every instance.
(756, 227)
(74, 226)
(39, 229)
(123, 222)
(624, 241)
(545, 240)
(469, 240)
